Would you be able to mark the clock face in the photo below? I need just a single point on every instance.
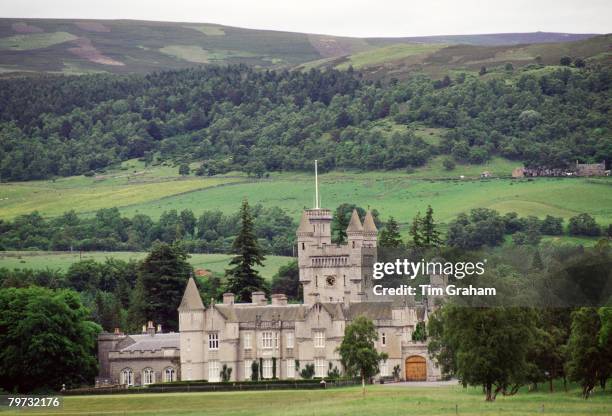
(330, 280)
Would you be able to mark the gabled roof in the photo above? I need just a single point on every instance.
(354, 224)
(251, 313)
(146, 342)
(191, 298)
(305, 226)
(371, 310)
(368, 224)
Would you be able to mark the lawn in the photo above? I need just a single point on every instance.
(380, 400)
(216, 263)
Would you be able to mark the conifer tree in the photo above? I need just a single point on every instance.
(390, 236)
(431, 236)
(415, 231)
(161, 282)
(243, 279)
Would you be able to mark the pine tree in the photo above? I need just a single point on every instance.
(162, 278)
(415, 231)
(390, 236)
(431, 236)
(243, 279)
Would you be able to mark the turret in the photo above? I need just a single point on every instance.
(191, 328)
(354, 231)
(370, 232)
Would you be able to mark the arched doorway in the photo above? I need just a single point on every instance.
(416, 368)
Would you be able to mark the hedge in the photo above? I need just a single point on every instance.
(200, 386)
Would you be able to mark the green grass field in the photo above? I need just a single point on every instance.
(216, 263)
(388, 54)
(380, 400)
(151, 191)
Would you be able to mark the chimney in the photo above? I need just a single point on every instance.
(279, 299)
(228, 298)
(150, 328)
(144, 329)
(258, 298)
(159, 328)
(117, 331)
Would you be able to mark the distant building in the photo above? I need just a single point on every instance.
(136, 360)
(591, 169)
(580, 169)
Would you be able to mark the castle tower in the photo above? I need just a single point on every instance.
(191, 327)
(334, 272)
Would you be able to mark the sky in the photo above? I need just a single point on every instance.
(359, 18)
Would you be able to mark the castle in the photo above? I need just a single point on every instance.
(284, 338)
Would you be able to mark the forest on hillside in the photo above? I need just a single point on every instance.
(239, 118)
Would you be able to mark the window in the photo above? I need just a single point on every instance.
(266, 339)
(214, 374)
(169, 375)
(127, 377)
(248, 369)
(267, 368)
(384, 369)
(289, 339)
(269, 339)
(247, 341)
(303, 247)
(189, 373)
(148, 376)
(383, 339)
(319, 339)
(290, 368)
(213, 341)
(320, 367)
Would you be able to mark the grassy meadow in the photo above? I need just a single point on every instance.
(153, 190)
(385, 400)
(216, 263)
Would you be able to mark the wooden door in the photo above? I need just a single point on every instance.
(416, 368)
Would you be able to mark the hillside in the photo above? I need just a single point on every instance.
(399, 60)
(127, 46)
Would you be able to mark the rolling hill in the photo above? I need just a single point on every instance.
(127, 46)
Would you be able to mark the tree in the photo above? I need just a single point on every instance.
(588, 358)
(415, 231)
(552, 225)
(287, 281)
(243, 279)
(431, 236)
(162, 277)
(184, 169)
(565, 61)
(226, 373)
(579, 63)
(390, 235)
(46, 340)
(483, 70)
(357, 350)
(448, 163)
(584, 224)
(509, 67)
(188, 221)
(254, 371)
(308, 372)
(483, 346)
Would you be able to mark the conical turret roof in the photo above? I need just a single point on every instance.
(368, 223)
(355, 223)
(191, 298)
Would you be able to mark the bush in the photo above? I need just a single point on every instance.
(448, 163)
(307, 372)
(584, 224)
